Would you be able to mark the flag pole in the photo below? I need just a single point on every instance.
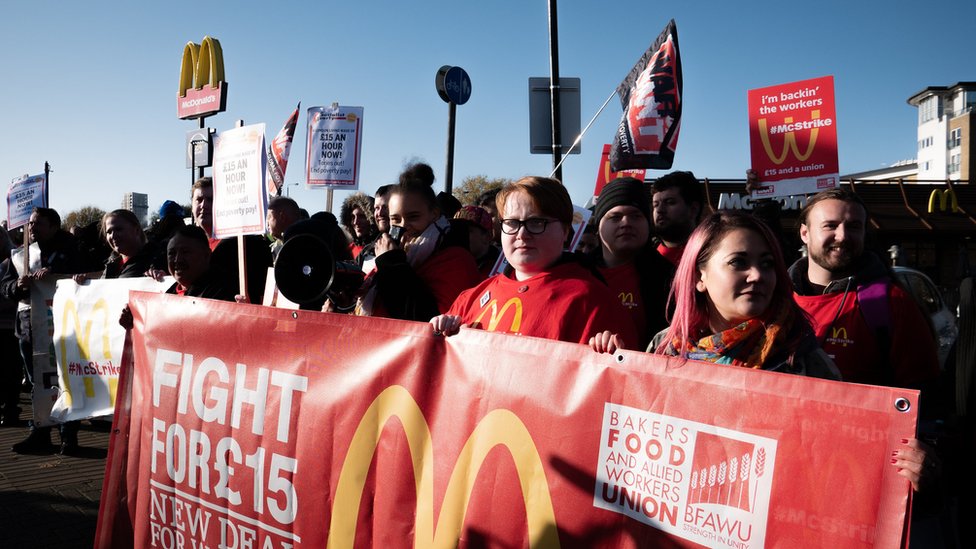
(580, 136)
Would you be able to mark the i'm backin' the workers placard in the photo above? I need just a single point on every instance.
(793, 137)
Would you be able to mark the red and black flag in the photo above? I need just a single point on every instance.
(651, 98)
(278, 151)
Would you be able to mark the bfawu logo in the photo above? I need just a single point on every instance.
(703, 483)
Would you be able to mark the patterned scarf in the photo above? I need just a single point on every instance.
(748, 344)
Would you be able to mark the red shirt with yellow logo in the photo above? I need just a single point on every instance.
(567, 303)
(624, 283)
(848, 339)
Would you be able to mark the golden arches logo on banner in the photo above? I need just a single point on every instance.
(497, 315)
(945, 198)
(70, 317)
(203, 64)
(498, 427)
(789, 139)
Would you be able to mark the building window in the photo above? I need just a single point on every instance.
(955, 163)
(955, 138)
(927, 110)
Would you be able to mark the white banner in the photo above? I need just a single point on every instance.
(88, 343)
(239, 168)
(335, 142)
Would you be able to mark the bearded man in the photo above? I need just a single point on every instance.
(869, 325)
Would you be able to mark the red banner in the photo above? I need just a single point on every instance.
(793, 137)
(244, 426)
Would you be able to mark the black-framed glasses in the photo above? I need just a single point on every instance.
(535, 225)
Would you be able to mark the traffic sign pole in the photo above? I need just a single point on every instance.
(454, 87)
(449, 170)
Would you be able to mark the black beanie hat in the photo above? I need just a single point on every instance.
(623, 191)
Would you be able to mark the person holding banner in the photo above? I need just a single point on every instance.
(421, 264)
(189, 258)
(132, 254)
(54, 251)
(734, 303)
(546, 293)
(636, 273)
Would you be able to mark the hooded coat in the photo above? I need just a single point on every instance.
(365, 203)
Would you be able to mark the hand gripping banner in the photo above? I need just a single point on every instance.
(246, 426)
(651, 96)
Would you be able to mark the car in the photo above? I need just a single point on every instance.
(929, 299)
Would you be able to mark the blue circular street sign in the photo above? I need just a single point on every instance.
(457, 85)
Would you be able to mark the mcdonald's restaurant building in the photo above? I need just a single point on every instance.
(928, 226)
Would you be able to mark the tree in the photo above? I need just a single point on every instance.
(471, 187)
(82, 217)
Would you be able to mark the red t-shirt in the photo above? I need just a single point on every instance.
(624, 283)
(671, 254)
(567, 304)
(853, 345)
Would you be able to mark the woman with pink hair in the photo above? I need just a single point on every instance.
(733, 305)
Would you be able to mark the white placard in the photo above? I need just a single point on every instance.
(335, 142)
(239, 168)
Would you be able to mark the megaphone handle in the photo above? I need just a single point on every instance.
(242, 268)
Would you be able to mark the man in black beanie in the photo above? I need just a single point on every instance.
(633, 269)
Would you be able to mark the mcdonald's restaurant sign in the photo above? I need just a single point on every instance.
(244, 427)
(793, 136)
(203, 90)
(942, 200)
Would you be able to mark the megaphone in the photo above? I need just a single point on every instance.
(306, 270)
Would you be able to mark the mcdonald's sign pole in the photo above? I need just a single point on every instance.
(202, 89)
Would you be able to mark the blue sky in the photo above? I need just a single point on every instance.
(91, 86)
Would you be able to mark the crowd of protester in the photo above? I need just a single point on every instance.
(654, 271)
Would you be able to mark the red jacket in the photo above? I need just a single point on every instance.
(846, 336)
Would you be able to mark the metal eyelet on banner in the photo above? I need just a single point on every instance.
(295, 316)
(620, 358)
(902, 404)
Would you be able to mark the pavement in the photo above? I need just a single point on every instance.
(51, 501)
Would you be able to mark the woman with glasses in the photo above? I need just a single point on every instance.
(545, 293)
(421, 264)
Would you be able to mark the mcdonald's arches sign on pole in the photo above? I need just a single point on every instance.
(245, 426)
(793, 137)
(202, 90)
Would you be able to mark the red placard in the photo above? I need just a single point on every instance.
(793, 137)
(245, 426)
(604, 175)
